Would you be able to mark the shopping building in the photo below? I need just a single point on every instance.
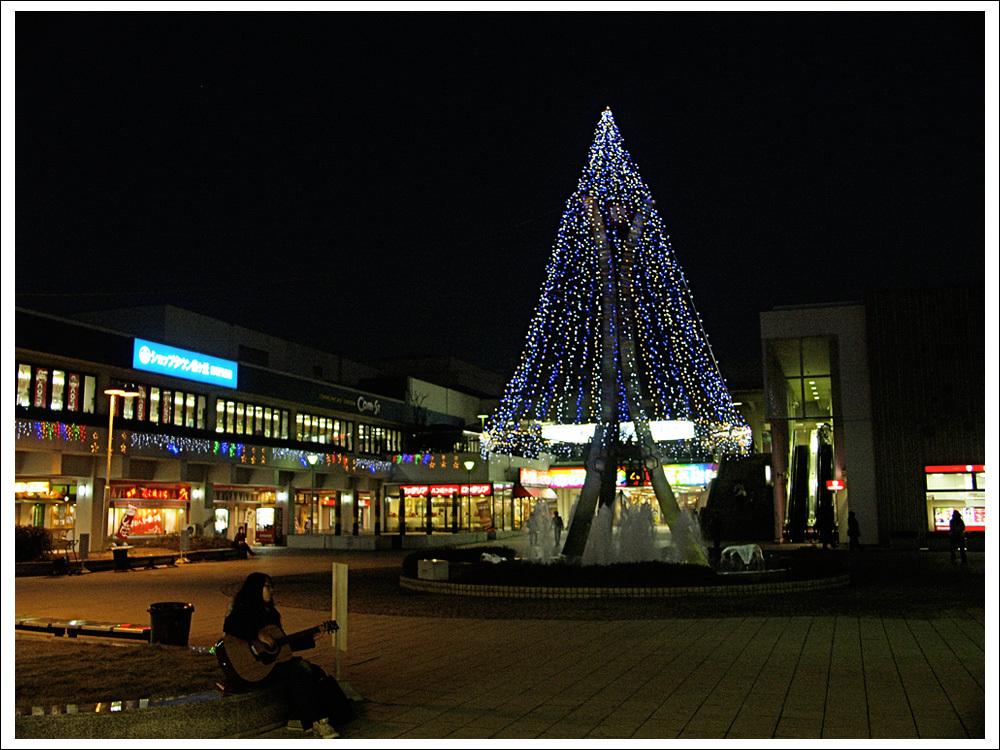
(225, 427)
(878, 407)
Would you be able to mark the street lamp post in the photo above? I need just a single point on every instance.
(312, 458)
(468, 492)
(124, 390)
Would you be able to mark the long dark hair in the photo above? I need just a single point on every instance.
(251, 593)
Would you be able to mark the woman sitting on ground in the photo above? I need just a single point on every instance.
(314, 699)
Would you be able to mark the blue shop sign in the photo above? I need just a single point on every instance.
(181, 363)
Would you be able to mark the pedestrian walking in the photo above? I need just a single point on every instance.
(557, 526)
(956, 532)
(853, 531)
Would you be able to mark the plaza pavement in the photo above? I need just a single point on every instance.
(507, 677)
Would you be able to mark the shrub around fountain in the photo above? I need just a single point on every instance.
(467, 567)
(616, 575)
(453, 555)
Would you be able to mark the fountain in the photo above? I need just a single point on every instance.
(598, 550)
(541, 535)
(616, 360)
(626, 532)
(741, 558)
(636, 540)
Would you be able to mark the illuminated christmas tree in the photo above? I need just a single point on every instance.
(631, 313)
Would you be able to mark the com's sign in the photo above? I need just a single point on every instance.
(180, 363)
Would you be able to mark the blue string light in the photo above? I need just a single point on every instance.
(558, 378)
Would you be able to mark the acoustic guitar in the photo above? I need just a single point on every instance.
(252, 661)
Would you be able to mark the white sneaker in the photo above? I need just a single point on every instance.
(323, 730)
(295, 725)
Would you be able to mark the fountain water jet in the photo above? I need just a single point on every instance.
(636, 540)
(541, 534)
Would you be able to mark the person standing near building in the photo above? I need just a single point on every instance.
(557, 526)
(853, 531)
(957, 534)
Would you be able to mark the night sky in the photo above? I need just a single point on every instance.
(390, 183)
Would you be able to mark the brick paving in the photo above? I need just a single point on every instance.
(899, 654)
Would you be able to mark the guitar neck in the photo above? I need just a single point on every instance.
(329, 625)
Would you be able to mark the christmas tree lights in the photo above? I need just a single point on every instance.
(559, 378)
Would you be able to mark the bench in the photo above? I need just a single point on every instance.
(125, 563)
(215, 553)
(151, 561)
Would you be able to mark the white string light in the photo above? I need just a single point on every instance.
(558, 379)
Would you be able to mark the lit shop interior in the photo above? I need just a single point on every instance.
(951, 488)
(248, 506)
(802, 407)
(149, 510)
(456, 507)
(690, 484)
(47, 503)
(323, 511)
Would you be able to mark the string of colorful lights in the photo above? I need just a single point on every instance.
(149, 443)
(558, 378)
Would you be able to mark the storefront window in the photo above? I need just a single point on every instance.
(221, 521)
(58, 390)
(377, 439)
(239, 418)
(24, 385)
(44, 503)
(326, 430)
(58, 382)
(160, 406)
(166, 412)
(128, 406)
(799, 384)
(89, 393)
(316, 513)
(951, 488)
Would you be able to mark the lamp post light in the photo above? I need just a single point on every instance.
(468, 492)
(124, 390)
(312, 458)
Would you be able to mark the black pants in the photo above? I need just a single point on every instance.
(958, 545)
(311, 694)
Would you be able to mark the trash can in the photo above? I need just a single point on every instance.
(122, 564)
(170, 623)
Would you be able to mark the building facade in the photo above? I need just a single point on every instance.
(878, 407)
(224, 427)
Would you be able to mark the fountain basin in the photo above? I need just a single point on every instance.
(468, 575)
(742, 584)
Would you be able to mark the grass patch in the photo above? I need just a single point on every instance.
(59, 671)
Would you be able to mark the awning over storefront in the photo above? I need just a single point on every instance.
(521, 491)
